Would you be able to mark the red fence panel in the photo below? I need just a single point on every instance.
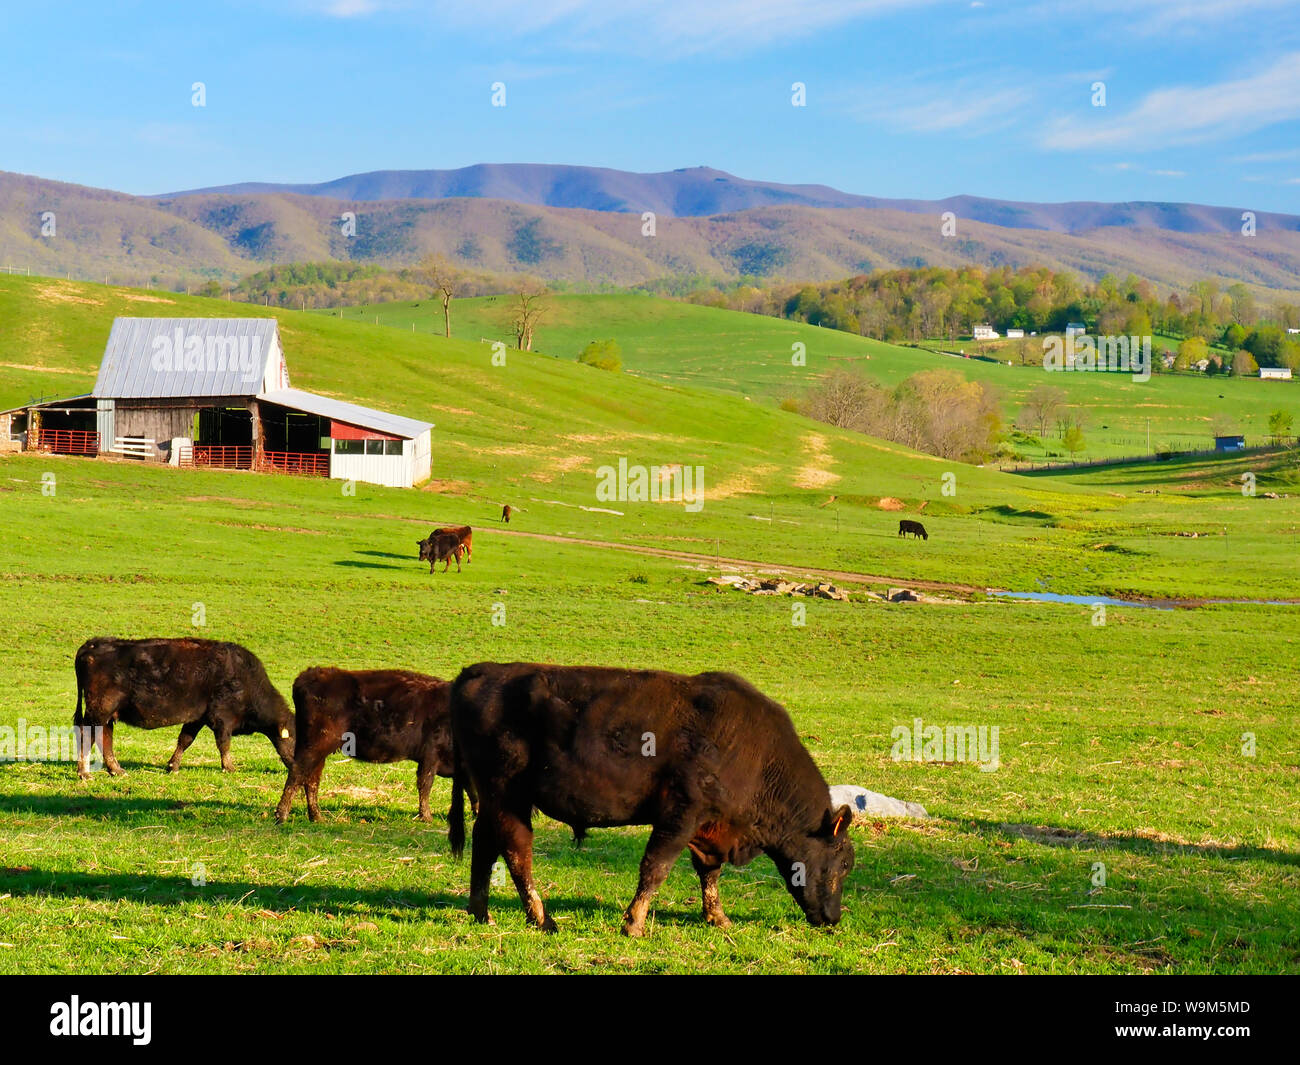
(222, 456)
(68, 441)
(305, 463)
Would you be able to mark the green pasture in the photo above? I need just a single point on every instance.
(751, 355)
(1141, 816)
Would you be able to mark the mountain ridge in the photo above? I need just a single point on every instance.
(224, 236)
(693, 192)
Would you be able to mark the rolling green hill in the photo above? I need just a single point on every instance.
(1121, 742)
(535, 432)
(750, 355)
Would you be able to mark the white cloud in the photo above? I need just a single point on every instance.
(1189, 114)
(687, 26)
(970, 106)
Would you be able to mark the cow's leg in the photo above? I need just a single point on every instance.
(708, 871)
(486, 848)
(83, 736)
(106, 745)
(424, 775)
(515, 835)
(291, 786)
(221, 730)
(183, 741)
(312, 775)
(666, 843)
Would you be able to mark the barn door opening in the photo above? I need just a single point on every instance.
(223, 438)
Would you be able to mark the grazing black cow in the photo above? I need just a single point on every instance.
(376, 715)
(709, 761)
(443, 545)
(914, 527)
(192, 683)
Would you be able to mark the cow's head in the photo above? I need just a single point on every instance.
(817, 865)
(426, 549)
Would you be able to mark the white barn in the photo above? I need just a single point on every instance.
(1275, 373)
(214, 392)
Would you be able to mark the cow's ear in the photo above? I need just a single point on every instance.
(836, 821)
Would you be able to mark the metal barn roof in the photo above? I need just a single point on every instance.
(377, 420)
(142, 360)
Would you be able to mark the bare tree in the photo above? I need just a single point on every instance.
(843, 399)
(446, 279)
(529, 310)
(1042, 406)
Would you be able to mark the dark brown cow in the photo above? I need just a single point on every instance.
(443, 545)
(192, 683)
(914, 527)
(709, 761)
(506, 511)
(377, 715)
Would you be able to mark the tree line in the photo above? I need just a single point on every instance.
(948, 302)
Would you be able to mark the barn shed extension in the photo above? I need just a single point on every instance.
(214, 392)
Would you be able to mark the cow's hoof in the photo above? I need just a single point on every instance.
(480, 916)
(426, 817)
(548, 925)
(172, 767)
(717, 920)
(633, 930)
(116, 771)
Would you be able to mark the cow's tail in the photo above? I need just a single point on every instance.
(456, 816)
(79, 668)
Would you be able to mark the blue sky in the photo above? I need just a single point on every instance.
(926, 98)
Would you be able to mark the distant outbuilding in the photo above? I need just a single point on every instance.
(1229, 443)
(1275, 373)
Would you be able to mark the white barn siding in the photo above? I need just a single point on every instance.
(392, 471)
(422, 456)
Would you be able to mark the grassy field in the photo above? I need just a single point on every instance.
(1125, 743)
(750, 355)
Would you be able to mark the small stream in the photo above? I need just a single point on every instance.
(1149, 604)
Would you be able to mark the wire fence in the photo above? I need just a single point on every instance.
(1134, 460)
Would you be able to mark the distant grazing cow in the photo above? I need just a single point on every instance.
(713, 764)
(378, 715)
(506, 511)
(913, 527)
(192, 683)
(443, 545)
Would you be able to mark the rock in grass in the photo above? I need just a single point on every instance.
(872, 804)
